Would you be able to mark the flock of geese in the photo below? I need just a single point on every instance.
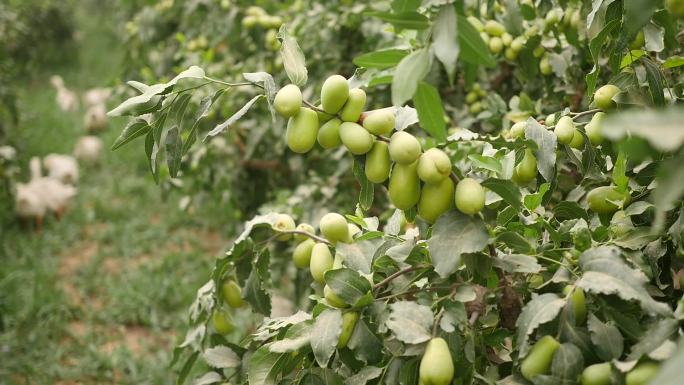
(54, 178)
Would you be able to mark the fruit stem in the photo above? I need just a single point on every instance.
(438, 319)
(577, 115)
(398, 274)
(233, 84)
(310, 105)
(300, 232)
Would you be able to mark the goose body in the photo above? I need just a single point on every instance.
(64, 168)
(88, 149)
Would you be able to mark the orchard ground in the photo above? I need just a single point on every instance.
(98, 296)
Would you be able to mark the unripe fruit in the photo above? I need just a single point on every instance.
(348, 324)
(404, 185)
(353, 230)
(380, 122)
(518, 44)
(435, 199)
(565, 130)
(329, 134)
(436, 366)
(249, 21)
(506, 39)
(641, 374)
(538, 360)
(495, 45)
(595, 128)
(288, 101)
(638, 41)
(470, 196)
(321, 261)
(305, 227)
(603, 97)
(301, 256)
(550, 120)
(232, 294)
(525, 171)
(323, 117)
(471, 97)
(600, 199)
(579, 307)
(302, 130)
(494, 28)
(545, 66)
(675, 7)
(577, 140)
(510, 54)
(378, 163)
(222, 322)
(433, 166)
(334, 227)
(539, 51)
(553, 16)
(620, 224)
(332, 298)
(284, 222)
(476, 23)
(597, 374)
(334, 93)
(404, 148)
(517, 130)
(354, 106)
(475, 108)
(357, 140)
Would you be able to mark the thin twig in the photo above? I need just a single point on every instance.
(577, 115)
(233, 84)
(310, 105)
(300, 232)
(438, 319)
(398, 274)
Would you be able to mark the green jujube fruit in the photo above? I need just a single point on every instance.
(334, 227)
(599, 199)
(379, 122)
(321, 261)
(288, 101)
(597, 374)
(404, 148)
(469, 196)
(495, 45)
(525, 171)
(595, 128)
(517, 130)
(334, 93)
(577, 141)
(232, 294)
(579, 306)
(302, 130)
(435, 199)
(348, 324)
(436, 366)
(329, 134)
(322, 115)
(223, 324)
(603, 97)
(641, 374)
(305, 227)
(494, 28)
(301, 256)
(355, 138)
(332, 298)
(404, 185)
(565, 130)
(377, 166)
(284, 222)
(538, 360)
(354, 106)
(434, 166)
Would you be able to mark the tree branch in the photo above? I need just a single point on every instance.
(398, 274)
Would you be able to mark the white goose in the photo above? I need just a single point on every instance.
(64, 168)
(29, 205)
(88, 148)
(54, 194)
(95, 118)
(66, 99)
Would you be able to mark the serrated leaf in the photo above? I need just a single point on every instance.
(208, 378)
(670, 372)
(254, 290)
(221, 357)
(486, 162)
(567, 362)
(517, 263)
(659, 332)
(364, 375)
(507, 190)
(410, 322)
(293, 58)
(325, 334)
(540, 310)
(366, 346)
(380, 59)
(430, 111)
(297, 337)
(265, 366)
(445, 39)
(606, 338)
(349, 285)
(532, 201)
(453, 234)
(410, 71)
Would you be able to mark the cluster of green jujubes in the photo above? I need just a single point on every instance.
(399, 159)
(474, 99)
(254, 16)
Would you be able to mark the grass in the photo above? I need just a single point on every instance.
(99, 296)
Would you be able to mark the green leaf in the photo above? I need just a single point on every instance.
(533, 201)
(669, 189)
(349, 285)
(453, 234)
(325, 333)
(366, 346)
(265, 366)
(410, 322)
(234, 118)
(620, 172)
(187, 367)
(513, 20)
(566, 210)
(636, 239)
(595, 49)
(151, 152)
(254, 291)
(201, 113)
(174, 145)
(403, 20)
(546, 148)
(507, 190)
(606, 338)
(540, 310)
(631, 57)
(515, 241)
(266, 80)
(380, 59)
(410, 71)
(445, 39)
(486, 162)
(208, 378)
(297, 337)
(367, 190)
(670, 372)
(517, 263)
(657, 333)
(134, 129)
(293, 58)
(605, 272)
(656, 80)
(405, 5)
(663, 129)
(221, 357)
(430, 112)
(568, 362)
(473, 48)
(637, 14)
(674, 62)
(364, 375)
